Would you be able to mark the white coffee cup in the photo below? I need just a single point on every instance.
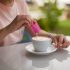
(41, 43)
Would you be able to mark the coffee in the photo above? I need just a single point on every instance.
(39, 38)
(41, 43)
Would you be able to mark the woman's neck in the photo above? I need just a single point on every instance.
(7, 2)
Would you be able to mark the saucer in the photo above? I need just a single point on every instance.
(29, 48)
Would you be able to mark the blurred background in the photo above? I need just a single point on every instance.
(52, 15)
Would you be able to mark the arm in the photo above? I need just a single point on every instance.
(34, 29)
(59, 40)
(15, 25)
(3, 33)
(44, 33)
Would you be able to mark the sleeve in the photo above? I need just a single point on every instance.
(22, 6)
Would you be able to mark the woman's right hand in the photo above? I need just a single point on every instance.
(19, 22)
(59, 40)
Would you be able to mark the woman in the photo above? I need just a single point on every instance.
(14, 18)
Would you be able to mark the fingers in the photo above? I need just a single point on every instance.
(27, 18)
(20, 21)
(66, 43)
(60, 39)
(62, 42)
(54, 39)
(55, 42)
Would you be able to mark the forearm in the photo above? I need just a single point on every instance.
(44, 33)
(40, 33)
(3, 33)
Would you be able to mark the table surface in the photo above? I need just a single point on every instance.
(15, 57)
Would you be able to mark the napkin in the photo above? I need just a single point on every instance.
(35, 27)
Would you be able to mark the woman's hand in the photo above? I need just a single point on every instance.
(60, 41)
(19, 22)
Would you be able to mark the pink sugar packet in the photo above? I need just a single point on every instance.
(35, 27)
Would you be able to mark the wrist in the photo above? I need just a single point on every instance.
(51, 34)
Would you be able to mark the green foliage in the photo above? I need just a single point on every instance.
(63, 27)
(51, 13)
(42, 23)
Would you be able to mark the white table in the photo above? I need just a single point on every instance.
(16, 58)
